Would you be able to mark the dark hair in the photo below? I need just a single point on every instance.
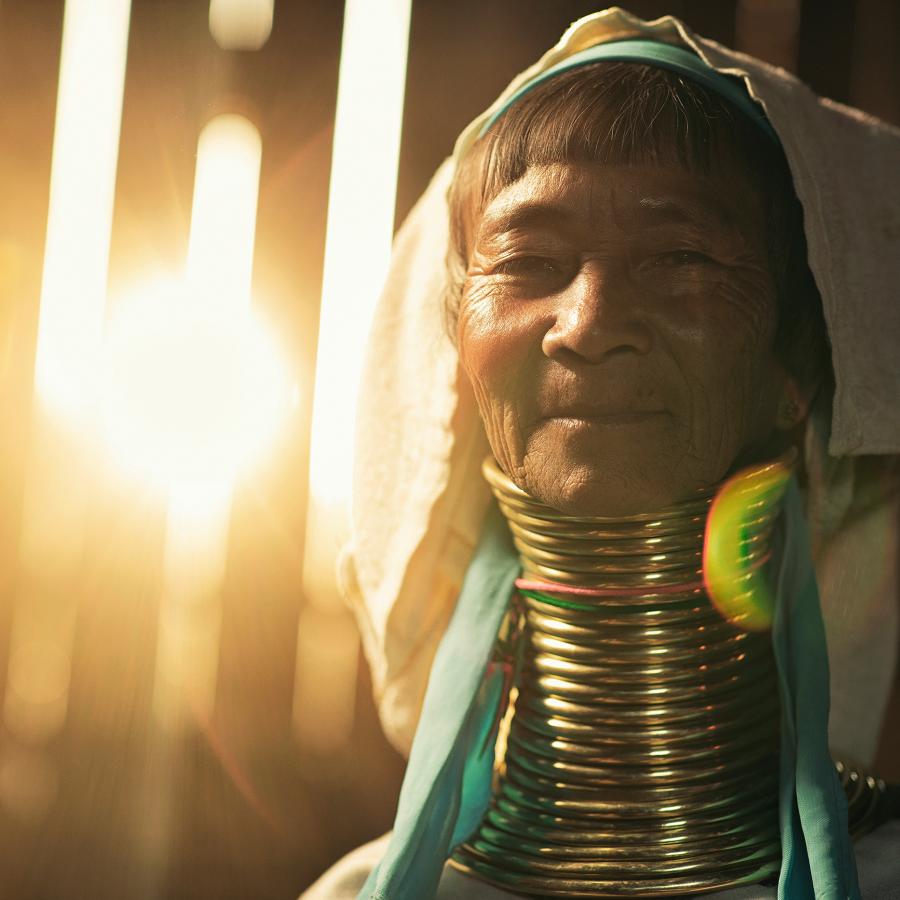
(625, 113)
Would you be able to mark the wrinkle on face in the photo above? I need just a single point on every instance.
(617, 326)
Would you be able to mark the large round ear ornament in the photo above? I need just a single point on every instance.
(735, 547)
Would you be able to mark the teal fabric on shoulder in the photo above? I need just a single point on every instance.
(817, 860)
(447, 784)
(653, 53)
(448, 778)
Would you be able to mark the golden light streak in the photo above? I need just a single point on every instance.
(35, 703)
(361, 200)
(325, 679)
(57, 487)
(241, 24)
(198, 438)
(187, 653)
(29, 783)
(72, 307)
(223, 215)
(73, 299)
(82, 184)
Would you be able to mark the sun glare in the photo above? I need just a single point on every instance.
(189, 398)
(193, 386)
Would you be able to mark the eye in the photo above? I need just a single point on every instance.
(679, 258)
(528, 267)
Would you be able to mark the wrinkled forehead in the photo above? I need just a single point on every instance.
(627, 195)
(619, 114)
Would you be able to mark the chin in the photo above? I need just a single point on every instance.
(607, 471)
(582, 492)
(604, 500)
(624, 485)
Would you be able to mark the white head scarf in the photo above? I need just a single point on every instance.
(419, 498)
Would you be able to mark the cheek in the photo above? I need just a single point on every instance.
(730, 373)
(495, 345)
(480, 335)
(735, 312)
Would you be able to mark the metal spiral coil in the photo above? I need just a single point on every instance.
(642, 755)
(867, 800)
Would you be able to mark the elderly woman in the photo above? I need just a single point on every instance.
(630, 695)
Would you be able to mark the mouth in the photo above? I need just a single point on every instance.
(612, 418)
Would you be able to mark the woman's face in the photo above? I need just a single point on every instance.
(617, 325)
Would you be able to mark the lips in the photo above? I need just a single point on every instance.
(606, 411)
(608, 416)
(618, 396)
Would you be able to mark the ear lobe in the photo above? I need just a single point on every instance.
(793, 407)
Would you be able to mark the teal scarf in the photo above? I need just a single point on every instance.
(448, 780)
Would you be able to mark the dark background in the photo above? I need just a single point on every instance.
(256, 808)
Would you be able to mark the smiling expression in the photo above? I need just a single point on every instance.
(616, 325)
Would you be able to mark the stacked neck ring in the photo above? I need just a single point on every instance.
(642, 751)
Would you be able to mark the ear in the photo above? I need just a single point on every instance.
(793, 405)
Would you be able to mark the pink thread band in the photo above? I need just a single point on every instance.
(554, 587)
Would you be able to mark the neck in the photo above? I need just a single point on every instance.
(621, 556)
(642, 755)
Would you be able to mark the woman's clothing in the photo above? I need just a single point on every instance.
(876, 856)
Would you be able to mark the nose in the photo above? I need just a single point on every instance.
(597, 317)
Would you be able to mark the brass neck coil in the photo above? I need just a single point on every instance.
(642, 755)
(868, 805)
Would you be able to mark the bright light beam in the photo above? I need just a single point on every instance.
(357, 252)
(70, 326)
(82, 186)
(210, 328)
(361, 200)
(241, 24)
(223, 215)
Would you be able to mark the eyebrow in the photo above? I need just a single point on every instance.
(528, 214)
(668, 211)
(554, 214)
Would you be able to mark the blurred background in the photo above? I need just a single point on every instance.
(196, 205)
